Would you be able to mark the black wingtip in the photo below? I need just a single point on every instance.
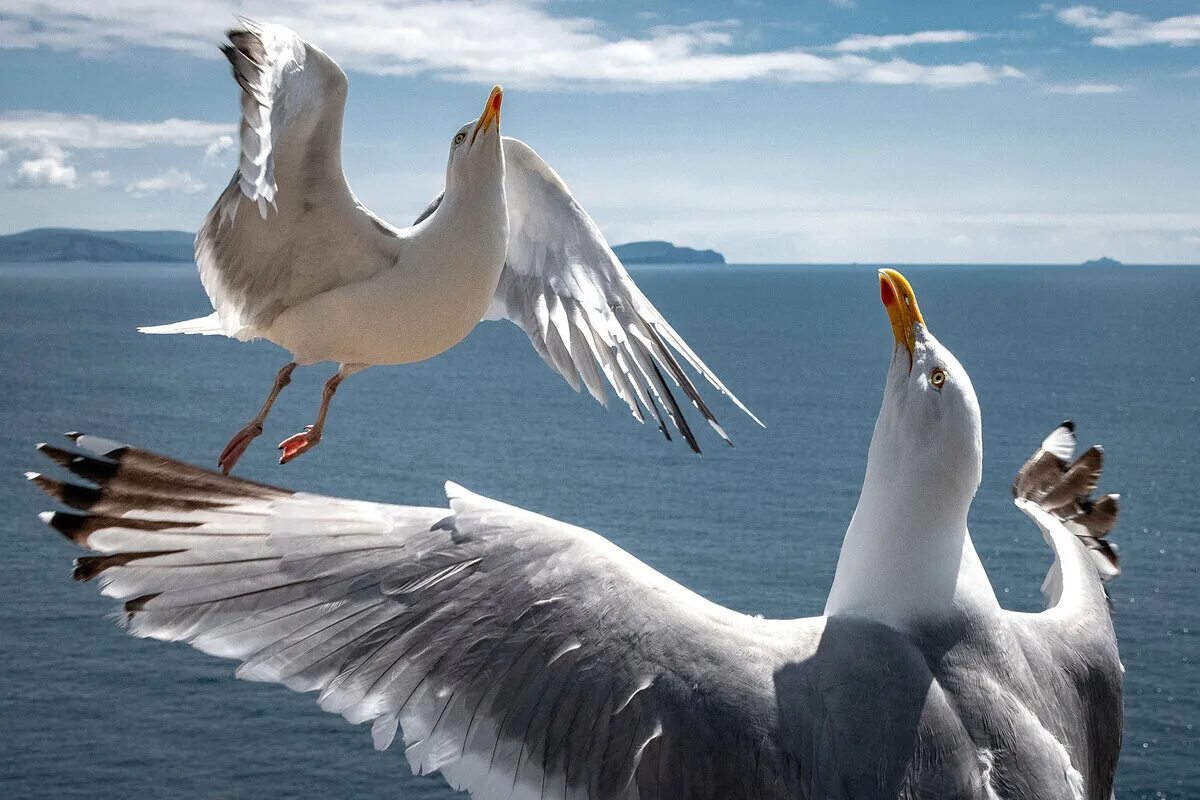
(73, 495)
(1068, 424)
(56, 454)
(73, 526)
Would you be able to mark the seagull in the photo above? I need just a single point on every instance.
(308, 267)
(524, 657)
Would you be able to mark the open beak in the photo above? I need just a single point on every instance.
(901, 304)
(491, 112)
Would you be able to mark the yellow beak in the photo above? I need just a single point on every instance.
(491, 112)
(901, 304)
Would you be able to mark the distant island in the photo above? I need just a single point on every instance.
(1102, 261)
(656, 252)
(44, 245)
(47, 245)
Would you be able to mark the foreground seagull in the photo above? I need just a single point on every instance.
(289, 254)
(524, 657)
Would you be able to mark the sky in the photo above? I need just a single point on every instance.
(821, 131)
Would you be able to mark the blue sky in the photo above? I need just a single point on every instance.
(819, 131)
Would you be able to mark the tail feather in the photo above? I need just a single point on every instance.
(204, 326)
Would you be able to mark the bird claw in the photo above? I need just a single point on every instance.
(298, 444)
(237, 445)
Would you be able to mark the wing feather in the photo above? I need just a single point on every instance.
(518, 655)
(1073, 638)
(307, 233)
(1058, 495)
(562, 281)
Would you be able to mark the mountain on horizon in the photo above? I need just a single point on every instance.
(45, 245)
(48, 245)
(660, 252)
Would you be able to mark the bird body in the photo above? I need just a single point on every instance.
(526, 657)
(289, 254)
(428, 302)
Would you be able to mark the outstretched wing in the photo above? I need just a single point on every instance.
(564, 286)
(520, 656)
(1072, 641)
(287, 227)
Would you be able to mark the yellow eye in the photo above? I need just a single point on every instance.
(938, 377)
(459, 138)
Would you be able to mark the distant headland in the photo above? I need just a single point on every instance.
(1102, 261)
(44, 245)
(658, 252)
(48, 245)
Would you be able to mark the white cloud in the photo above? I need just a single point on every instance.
(45, 173)
(40, 129)
(219, 147)
(1083, 88)
(862, 42)
(1120, 29)
(514, 42)
(1042, 10)
(897, 236)
(50, 138)
(170, 180)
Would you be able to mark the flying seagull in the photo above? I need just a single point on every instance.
(289, 254)
(527, 658)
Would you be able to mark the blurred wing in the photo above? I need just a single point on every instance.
(564, 286)
(303, 232)
(1057, 495)
(519, 655)
(1073, 639)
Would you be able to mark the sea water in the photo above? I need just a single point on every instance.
(87, 712)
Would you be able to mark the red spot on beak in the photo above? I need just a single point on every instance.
(886, 293)
(496, 102)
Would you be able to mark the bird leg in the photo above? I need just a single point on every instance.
(253, 429)
(307, 439)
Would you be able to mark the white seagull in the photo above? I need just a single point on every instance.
(527, 658)
(309, 268)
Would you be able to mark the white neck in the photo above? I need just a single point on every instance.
(907, 556)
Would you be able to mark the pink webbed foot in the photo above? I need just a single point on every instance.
(299, 443)
(237, 445)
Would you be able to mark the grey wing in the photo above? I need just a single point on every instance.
(287, 227)
(564, 286)
(521, 656)
(1072, 646)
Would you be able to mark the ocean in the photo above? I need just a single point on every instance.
(87, 712)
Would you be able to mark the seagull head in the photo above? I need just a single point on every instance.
(929, 431)
(475, 150)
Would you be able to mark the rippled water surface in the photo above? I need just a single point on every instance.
(87, 712)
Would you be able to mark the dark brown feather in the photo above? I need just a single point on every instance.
(78, 527)
(1065, 492)
(88, 567)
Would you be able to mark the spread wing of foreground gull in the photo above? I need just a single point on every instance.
(289, 254)
(527, 658)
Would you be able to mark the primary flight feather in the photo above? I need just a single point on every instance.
(289, 254)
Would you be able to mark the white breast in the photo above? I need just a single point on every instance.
(438, 290)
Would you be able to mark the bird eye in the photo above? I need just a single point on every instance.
(460, 137)
(938, 377)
